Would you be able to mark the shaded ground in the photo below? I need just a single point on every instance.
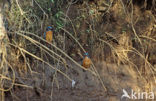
(87, 88)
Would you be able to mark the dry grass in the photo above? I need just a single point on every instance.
(117, 30)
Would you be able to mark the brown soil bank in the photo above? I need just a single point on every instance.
(87, 87)
(119, 35)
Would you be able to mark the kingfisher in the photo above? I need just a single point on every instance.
(48, 35)
(86, 61)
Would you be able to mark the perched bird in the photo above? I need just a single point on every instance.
(86, 61)
(48, 35)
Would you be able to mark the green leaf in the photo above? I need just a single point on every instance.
(49, 9)
(52, 1)
(91, 12)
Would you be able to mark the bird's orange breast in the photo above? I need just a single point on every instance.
(49, 36)
(86, 62)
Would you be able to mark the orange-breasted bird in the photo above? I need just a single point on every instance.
(48, 35)
(86, 61)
